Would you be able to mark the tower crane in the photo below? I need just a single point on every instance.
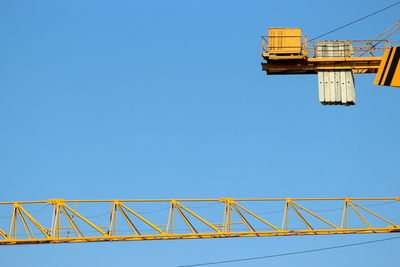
(287, 51)
(71, 221)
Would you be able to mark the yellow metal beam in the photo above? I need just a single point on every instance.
(237, 221)
(389, 70)
(359, 65)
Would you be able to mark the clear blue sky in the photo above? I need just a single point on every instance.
(166, 99)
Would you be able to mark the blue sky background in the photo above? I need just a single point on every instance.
(166, 99)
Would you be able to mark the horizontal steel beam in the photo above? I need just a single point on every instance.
(196, 236)
(313, 65)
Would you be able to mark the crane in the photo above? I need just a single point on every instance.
(71, 221)
(288, 51)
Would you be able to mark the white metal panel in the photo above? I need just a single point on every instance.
(335, 87)
(343, 86)
(321, 87)
(351, 92)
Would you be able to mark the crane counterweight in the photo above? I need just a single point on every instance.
(287, 51)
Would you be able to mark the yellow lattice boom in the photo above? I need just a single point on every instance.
(69, 221)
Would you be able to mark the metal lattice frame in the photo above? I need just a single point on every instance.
(67, 224)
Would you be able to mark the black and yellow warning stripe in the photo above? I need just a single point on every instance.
(389, 69)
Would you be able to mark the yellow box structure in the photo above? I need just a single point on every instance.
(284, 42)
(389, 69)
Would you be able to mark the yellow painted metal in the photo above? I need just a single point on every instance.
(315, 215)
(379, 39)
(72, 224)
(86, 220)
(389, 69)
(141, 218)
(285, 43)
(200, 218)
(37, 224)
(313, 65)
(258, 217)
(286, 51)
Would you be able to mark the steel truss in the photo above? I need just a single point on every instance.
(69, 221)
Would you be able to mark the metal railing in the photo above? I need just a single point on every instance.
(357, 48)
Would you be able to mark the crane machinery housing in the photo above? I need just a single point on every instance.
(287, 51)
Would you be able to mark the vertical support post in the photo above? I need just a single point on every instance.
(112, 229)
(227, 224)
(285, 219)
(13, 222)
(171, 218)
(345, 215)
(55, 222)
